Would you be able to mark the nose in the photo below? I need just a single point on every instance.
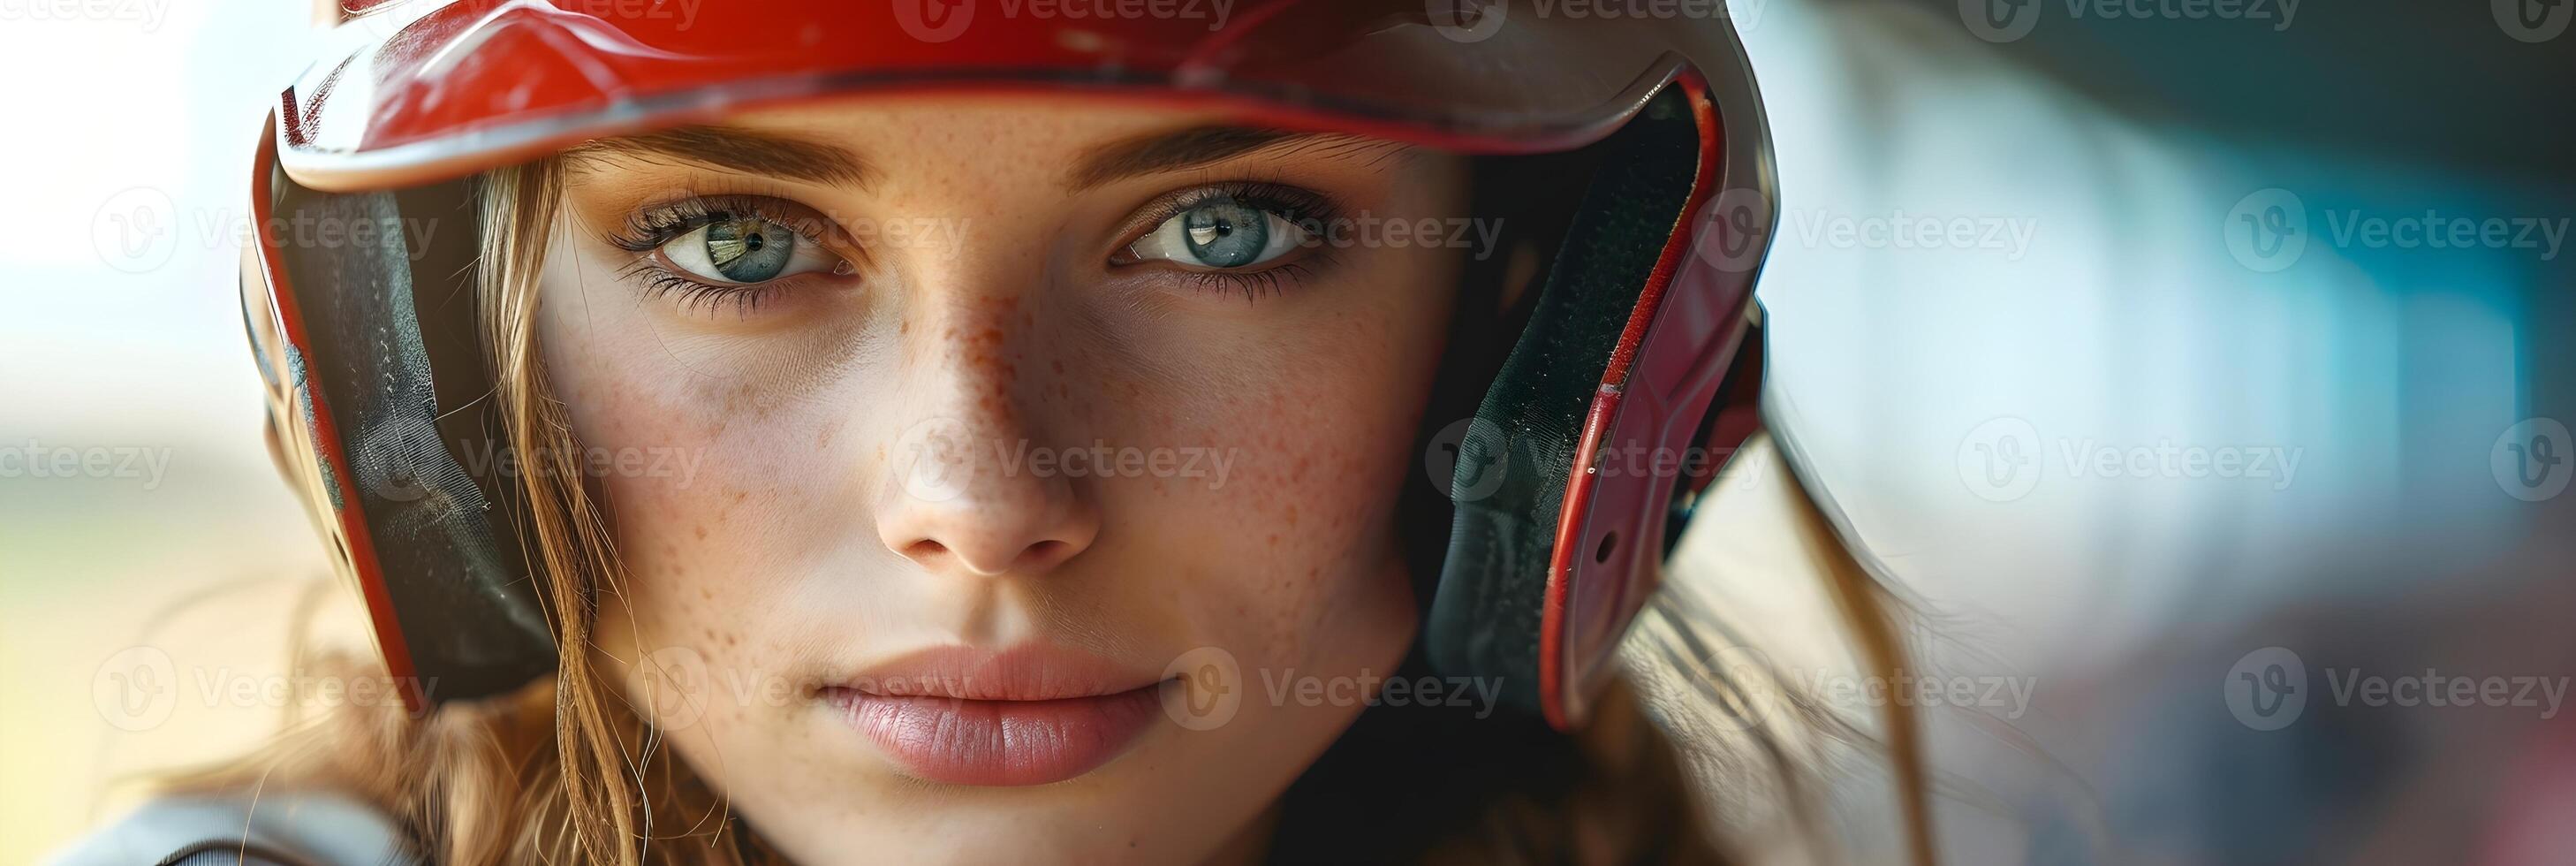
(969, 489)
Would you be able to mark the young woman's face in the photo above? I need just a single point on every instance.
(992, 478)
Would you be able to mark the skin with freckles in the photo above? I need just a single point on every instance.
(898, 427)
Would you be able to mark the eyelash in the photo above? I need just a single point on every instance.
(646, 230)
(1298, 206)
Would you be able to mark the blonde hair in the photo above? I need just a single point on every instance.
(565, 771)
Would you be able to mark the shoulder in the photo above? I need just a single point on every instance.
(280, 828)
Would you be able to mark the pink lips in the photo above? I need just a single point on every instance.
(1028, 716)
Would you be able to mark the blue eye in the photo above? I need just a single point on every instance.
(745, 250)
(749, 251)
(1223, 234)
(1220, 233)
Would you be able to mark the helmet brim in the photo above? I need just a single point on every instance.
(420, 92)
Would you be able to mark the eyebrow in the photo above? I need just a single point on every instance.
(733, 148)
(1201, 145)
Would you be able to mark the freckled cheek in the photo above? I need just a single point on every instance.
(1299, 533)
(724, 698)
(726, 707)
(1307, 519)
(675, 488)
(1321, 452)
(638, 417)
(682, 638)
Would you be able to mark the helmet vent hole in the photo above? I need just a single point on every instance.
(1609, 542)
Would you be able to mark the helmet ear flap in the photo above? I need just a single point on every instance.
(1563, 499)
(1529, 200)
(369, 333)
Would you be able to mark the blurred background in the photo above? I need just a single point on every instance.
(2194, 364)
(121, 347)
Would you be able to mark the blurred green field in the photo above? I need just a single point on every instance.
(201, 568)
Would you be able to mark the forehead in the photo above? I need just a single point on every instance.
(967, 126)
(1075, 144)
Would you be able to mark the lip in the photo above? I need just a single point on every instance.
(1031, 715)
